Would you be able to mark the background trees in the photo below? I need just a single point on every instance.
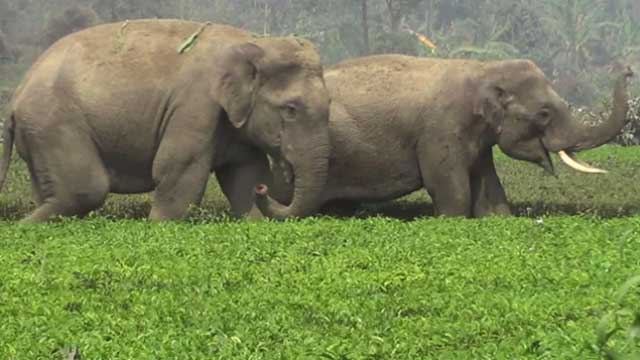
(574, 41)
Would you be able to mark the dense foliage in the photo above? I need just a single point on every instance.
(387, 284)
(321, 289)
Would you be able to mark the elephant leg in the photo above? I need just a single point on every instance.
(67, 174)
(488, 196)
(183, 161)
(447, 182)
(450, 193)
(449, 190)
(238, 182)
(181, 179)
(35, 188)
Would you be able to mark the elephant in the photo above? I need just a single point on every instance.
(400, 123)
(158, 105)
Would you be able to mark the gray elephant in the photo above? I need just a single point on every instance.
(157, 105)
(400, 123)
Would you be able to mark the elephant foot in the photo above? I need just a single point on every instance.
(495, 210)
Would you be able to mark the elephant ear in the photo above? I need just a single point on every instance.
(237, 81)
(490, 103)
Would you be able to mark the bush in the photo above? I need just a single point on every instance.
(631, 133)
(70, 20)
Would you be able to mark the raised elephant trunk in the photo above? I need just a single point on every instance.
(573, 135)
(310, 179)
(589, 137)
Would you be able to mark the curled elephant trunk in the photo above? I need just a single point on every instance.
(579, 136)
(591, 137)
(310, 178)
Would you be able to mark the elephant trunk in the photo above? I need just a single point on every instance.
(310, 178)
(584, 137)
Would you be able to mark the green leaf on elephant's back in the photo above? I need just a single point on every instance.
(188, 44)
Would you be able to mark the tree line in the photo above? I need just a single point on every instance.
(573, 41)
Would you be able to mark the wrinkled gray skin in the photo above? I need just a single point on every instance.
(400, 123)
(116, 108)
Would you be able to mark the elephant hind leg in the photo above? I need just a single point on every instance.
(35, 188)
(67, 175)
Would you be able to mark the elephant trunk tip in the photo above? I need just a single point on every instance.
(262, 190)
(271, 208)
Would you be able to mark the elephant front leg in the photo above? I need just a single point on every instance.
(488, 196)
(238, 183)
(449, 187)
(181, 176)
(450, 194)
(178, 190)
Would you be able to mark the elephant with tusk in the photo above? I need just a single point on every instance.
(157, 105)
(400, 123)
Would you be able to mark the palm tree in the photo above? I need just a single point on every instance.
(485, 39)
(575, 24)
(623, 36)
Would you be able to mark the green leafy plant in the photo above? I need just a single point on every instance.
(623, 319)
(390, 283)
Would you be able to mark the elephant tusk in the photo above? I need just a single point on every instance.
(568, 159)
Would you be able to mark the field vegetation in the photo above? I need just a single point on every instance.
(557, 282)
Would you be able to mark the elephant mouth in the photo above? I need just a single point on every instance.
(546, 162)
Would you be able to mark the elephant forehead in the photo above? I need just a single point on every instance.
(292, 51)
(527, 84)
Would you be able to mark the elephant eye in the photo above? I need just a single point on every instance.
(544, 116)
(289, 112)
(544, 113)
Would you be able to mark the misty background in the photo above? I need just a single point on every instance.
(575, 42)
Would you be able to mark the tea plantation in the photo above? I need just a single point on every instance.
(558, 281)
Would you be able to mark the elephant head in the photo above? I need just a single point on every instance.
(530, 119)
(273, 90)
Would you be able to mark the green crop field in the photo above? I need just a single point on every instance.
(559, 281)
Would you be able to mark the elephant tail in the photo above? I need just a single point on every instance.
(8, 148)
